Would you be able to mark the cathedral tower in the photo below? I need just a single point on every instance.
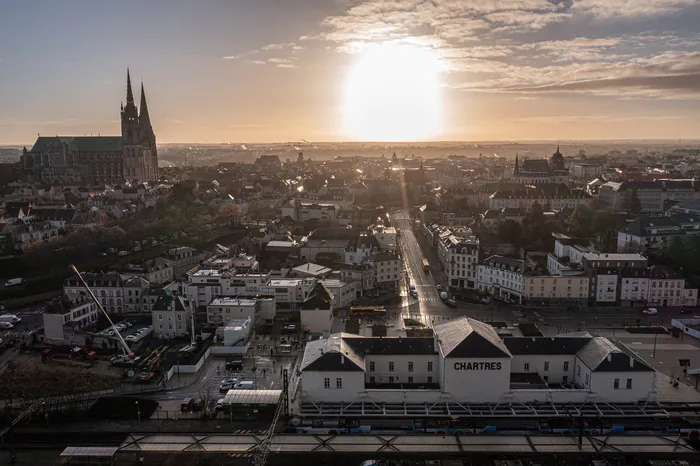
(134, 168)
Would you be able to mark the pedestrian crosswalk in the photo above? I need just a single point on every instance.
(13, 334)
(28, 312)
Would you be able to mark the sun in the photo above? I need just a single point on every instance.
(393, 93)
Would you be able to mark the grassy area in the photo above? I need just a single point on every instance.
(412, 323)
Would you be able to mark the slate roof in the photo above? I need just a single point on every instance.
(639, 226)
(534, 166)
(545, 345)
(391, 345)
(330, 355)
(163, 303)
(80, 143)
(601, 355)
(318, 298)
(505, 263)
(469, 338)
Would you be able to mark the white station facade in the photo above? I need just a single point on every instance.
(468, 362)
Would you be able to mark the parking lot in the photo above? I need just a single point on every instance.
(31, 321)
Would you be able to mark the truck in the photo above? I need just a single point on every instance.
(13, 282)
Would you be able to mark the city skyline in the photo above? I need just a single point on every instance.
(375, 70)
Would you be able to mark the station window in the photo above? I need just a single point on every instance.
(566, 366)
(430, 379)
(327, 382)
(371, 379)
(410, 380)
(391, 379)
(391, 366)
(546, 365)
(616, 384)
(526, 366)
(629, 383)
(371, 366)
(410, 366)
(339, 382)
(430, 366)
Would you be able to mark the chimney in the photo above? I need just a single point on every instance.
(631, 361)
(609, 357)
(342, 359)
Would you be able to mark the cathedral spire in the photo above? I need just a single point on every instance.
(144, 117)
(129, 94)
(516, 169)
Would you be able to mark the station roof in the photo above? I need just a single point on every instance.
(252, 397)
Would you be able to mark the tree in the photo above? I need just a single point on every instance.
(510, 231)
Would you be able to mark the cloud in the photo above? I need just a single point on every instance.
(256, 62)
(683, 82)
(105, 81)
(174, 121)
(248, 125)
(231, 57)
(517, 20)
(626, 9)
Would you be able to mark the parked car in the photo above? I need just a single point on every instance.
(289, 328)
(244, 385)
(198, 404)
(234, 365)
(5, 325)
(652, 311)
(131, 338)
(219, 404)
(187, 405)
(227, 384)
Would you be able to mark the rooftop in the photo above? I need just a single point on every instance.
(232, 301)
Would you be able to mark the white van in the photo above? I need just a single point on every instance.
(10, 318)
(244, 385)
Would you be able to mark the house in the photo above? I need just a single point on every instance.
(317, 310)
(171, 316)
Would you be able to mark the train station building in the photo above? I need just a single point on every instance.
(466, 361)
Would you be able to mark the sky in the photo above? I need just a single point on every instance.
(342, 70)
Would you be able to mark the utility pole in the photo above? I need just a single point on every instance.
(654, 355)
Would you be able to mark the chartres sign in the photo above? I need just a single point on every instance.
(477, 366)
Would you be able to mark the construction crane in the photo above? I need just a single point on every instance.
(124, 347)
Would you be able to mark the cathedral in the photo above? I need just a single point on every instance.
(130, 157)
(541, 171)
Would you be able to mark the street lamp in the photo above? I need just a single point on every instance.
(138, 411)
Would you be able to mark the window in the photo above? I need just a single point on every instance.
(371, 366)
(410, 380)
(430, 379)
(526, 367)
(339, 382)
(391, 379)
(179, 317)
(410, 366)
(391, 366)
(327, 382)
(616, 384)
(371, 380)
(546, 366)
(430, 366)
(629, 383)
(588, 376)
(160, 316)
(566, 366)
(578, 371)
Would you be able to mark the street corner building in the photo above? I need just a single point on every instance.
(132, 157)
(466, 361)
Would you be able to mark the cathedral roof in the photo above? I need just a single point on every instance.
(80, 143)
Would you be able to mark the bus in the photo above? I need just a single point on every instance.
(426, 266)
(367, 311)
